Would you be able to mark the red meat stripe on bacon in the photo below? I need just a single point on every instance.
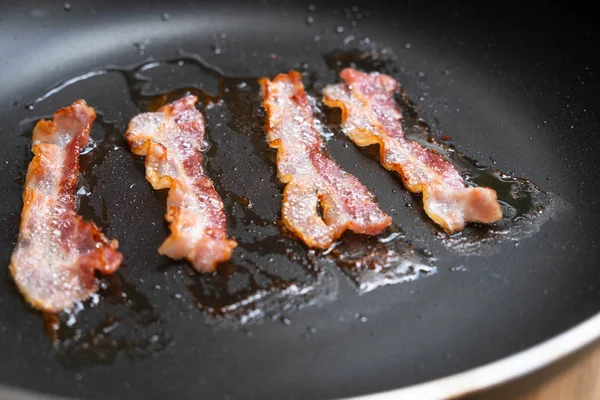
(370, 116)
(311, 177)
(172, 140)
(57, 252)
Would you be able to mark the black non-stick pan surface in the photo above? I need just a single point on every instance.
(511, 87)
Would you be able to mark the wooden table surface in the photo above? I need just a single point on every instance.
(575, 377)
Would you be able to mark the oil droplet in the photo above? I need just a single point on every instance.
(309, 20)
(67, 7)
(165, 16)
(339, 29)
(141, 46)
(51, 324)
(83, 191)
(407, 46)
(360, 317)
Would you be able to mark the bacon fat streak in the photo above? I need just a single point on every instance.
(311, 177)
(172, 140)
(370, 116)
(57, 252)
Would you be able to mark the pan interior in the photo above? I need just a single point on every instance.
(509, 103)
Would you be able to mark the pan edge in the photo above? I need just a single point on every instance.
(500, 371)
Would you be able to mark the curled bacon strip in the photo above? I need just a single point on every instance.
(312, 178)
(172, 140)
(370, 116)
(56, 254)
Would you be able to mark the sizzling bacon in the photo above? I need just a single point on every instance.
(172, 140)
(310, 176)
(57, 252)
(370, 116)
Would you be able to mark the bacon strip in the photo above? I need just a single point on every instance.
(310, 176)
(57, 252)
(370, 116)
(172, 141)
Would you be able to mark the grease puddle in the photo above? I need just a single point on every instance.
(386, 259)
(125, 322)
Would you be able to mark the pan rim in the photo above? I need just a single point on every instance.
(500, 371)
(475, 379)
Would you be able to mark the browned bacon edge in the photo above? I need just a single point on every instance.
(172, 139)
(311, 177)
(57, 252)
(370, 116)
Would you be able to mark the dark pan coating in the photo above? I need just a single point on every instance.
(510, 72)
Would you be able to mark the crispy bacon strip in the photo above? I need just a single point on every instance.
(310, 176)
(57, 252)
(370, 116)
(172, 140)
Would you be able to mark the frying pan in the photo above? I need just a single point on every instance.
(515, 88)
